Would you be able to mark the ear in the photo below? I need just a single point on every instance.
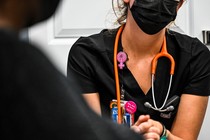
(126, 1)
(180, 4)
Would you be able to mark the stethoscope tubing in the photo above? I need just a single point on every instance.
(117, 83)
(163, 53)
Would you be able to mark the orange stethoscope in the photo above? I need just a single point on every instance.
(162, 53)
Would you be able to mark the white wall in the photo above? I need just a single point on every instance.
(75, 19)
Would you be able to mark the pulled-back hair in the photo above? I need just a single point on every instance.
(120, 10)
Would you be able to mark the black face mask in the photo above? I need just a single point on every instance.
(153, 15)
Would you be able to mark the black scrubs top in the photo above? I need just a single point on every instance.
(91, 60)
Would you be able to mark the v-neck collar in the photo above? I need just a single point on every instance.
(162, 75)
(128, 80)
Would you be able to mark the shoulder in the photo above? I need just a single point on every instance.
(100, 42)
(24, 62)
(187, 44)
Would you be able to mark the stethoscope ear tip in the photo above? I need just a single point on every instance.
(147, 104)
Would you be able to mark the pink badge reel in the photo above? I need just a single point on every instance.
(130, 107)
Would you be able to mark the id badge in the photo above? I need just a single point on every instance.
(128, 108)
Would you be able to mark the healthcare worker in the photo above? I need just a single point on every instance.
(169, 91)
(36, 100)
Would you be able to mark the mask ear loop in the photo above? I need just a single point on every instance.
(117, 83)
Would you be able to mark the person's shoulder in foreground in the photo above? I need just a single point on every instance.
(36, 100)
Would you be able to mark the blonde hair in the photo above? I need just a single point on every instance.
(120, 10)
